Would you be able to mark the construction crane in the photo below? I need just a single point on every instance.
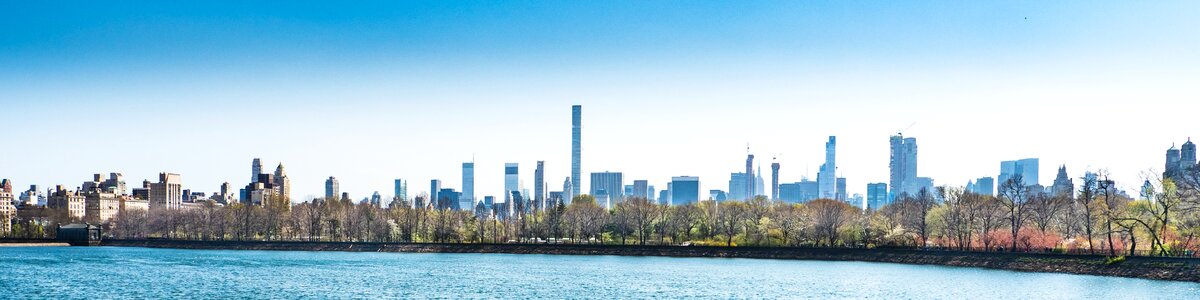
(900, 132)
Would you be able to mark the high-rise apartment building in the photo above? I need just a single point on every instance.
(435, 187)
(827, 175)
(877, 195)
(283, 185)
(255, 169)
(610, 184)
(1187, 154)
(331, 188)
(512, 181)
(539, 185)
(774, 181)
(717, 195)
(641, 189)
(467, 200)
(903, 166)
(799, 192)
(684, 190)
(576, 132)
(739, 188)
(841, 189)
(1180, 160)
(68, 201)
(983, 186)
(567, 186)
(167, 193)
(1027, 168)
(748, 193)
(1063, 186)
(400, 188)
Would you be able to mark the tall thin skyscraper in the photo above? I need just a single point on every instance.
(539, 184)
(331, 188)
(749, 194)
(903, 165)
(467, 199)
(827, 176)
(255, 169)
(576, 132)
(774, 181)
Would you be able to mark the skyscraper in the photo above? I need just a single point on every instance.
(435, 187)
(903, 166)
(283, 185)
(167, 193)
(1063, 185)
(1174, 157)
(1027, 168)
(1180, 160)
(567, 191)
(774, 181)
(376, 199)
(877, 195)
(739, 188)
(511, 182)
(539, 185)
(759, 185)
(1187, 154)
(255, 169)
(749, 193)
(576, 131)
(641, 189)
(841, 190)
(684, 190)
(984, 186)
(467, 197)
(400, 190)
(611, 184)
(331, 188)
(827, 176)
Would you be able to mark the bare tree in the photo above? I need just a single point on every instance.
(638, 214)
(1014, 197)
(729, 216)
(959, 215)
(1045, 209)
(791, 220)
(828, 217)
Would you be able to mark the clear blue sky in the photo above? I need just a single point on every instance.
(369, 92)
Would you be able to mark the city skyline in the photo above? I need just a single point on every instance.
(662, 99)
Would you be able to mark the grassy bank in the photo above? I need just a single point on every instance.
(1178, 269)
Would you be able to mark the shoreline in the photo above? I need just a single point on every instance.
(48, 244)
(1156, 268)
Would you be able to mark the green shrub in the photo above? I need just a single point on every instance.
(1114, 260)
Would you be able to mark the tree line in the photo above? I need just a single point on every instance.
(1094, 219)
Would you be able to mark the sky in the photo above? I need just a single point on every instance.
(373, 91)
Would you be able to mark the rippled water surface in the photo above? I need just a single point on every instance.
(116, 272)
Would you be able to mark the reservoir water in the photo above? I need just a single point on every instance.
(125, 273)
